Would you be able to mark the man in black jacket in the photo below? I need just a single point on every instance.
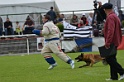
(52, 14)
(101, 16)
(8, 27)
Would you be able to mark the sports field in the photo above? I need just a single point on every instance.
(33, 68)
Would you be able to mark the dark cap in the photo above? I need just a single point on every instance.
(107, 6)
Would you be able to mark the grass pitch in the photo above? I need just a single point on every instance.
(33, 68)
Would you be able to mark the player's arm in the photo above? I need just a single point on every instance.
(45, 31)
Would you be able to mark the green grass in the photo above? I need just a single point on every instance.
(33, 68)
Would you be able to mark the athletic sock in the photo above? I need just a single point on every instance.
(69, 61)
(50, 60)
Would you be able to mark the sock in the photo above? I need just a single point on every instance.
(50, 60)
(69, 61)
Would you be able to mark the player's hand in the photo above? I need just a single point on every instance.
(37, 32)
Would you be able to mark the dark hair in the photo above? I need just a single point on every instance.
(47, 17)
(28, 18)
(51, 7)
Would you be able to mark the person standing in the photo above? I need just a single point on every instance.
(52, 14)
(101, 15)
(121, 17)
(112, 35)
(51, 34)
(90, 18)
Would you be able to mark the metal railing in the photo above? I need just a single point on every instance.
(14, 44)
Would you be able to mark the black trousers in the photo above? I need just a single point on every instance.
(115, 67)
(28, 30)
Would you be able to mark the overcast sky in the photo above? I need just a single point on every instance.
(20, 1)
(34, 1)
(31, 1)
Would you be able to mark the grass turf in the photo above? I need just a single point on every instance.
(33, 68)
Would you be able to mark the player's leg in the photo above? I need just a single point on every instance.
(46, 52)
(56, 48)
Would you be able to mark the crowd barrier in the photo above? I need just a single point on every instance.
(15, 44)
(31, 43)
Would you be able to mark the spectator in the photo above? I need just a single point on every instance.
(84, 19)
(74, 20)
(101, 15)
(1, 26)
(121, 16)
(8, 27)
(18, 28)
(29, 26)
(61, 18)
(52, 14)
(116, 5)
(81, 24)
(90, 18)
